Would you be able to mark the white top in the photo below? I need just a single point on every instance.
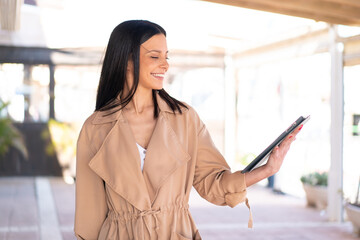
(142, 152)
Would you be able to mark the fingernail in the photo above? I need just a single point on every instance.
(290, 136)
(301, 126)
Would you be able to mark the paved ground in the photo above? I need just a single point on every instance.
(43, 208)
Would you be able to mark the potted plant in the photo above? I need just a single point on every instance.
(315, 187)
(9, 135)
(353, 212)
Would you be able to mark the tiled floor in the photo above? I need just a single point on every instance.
(276, 217)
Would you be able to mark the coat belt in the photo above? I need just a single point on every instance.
(142, 221)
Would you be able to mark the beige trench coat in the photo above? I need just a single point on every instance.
(116, 200)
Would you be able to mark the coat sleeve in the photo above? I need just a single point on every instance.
(213, 178)
(91, 208)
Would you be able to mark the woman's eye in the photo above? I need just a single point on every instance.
(155, 57)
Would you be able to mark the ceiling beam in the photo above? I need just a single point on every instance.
(319, 37)
(10, 14)
(354, 3)
(330, 11)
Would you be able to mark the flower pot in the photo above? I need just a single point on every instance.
(353, 214)
(316, 196)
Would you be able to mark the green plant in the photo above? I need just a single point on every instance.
(63, 140)
(9, 135)
(315, 179)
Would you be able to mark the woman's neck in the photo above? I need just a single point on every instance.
(141, 101)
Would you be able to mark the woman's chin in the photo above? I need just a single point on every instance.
(157, 87)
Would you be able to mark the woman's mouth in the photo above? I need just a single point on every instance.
(158, 75)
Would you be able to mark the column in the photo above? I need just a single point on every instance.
(335, 181)
(230, 111)
(52, 92)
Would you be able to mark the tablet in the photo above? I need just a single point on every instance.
(262, 157)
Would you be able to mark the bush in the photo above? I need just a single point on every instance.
(315, 179)
(9, 135)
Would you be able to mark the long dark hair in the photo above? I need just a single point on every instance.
(124, 43)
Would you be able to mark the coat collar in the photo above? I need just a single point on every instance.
(118, 161)
(114, 114)
(165, 154)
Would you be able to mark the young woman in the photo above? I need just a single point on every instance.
(141, 151)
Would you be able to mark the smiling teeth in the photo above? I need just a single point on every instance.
(158, 74)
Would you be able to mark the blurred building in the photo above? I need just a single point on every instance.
(248, 73)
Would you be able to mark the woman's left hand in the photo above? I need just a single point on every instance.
(278, 154)
(274, 162)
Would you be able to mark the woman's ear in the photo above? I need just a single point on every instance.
(130, 66)
(130, 73)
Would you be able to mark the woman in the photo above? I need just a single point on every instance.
(141, 151)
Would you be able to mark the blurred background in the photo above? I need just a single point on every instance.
(248, 73)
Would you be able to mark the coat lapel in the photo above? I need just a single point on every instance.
(165, 153)
(118, 163)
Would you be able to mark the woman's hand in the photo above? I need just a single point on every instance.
(277, 156)
(274, 162)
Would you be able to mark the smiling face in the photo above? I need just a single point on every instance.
(153, 62)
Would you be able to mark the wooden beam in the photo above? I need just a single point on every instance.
(298, 40)
(351, 50)
(39, 55)
(320, 11)
(189, 59)
(354, 3)
(304, 45)
(328, 8)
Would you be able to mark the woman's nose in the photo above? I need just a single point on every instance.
(165, 64)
